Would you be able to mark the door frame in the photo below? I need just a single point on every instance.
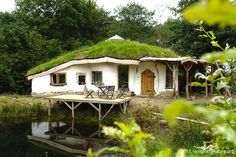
(142, 85)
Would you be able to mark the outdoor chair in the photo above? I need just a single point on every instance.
(102, 90)
(110, 92)
(121, 92)
(87, 92)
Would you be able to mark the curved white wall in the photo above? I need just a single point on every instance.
(110, 77)
(159, 71)
(109, 72)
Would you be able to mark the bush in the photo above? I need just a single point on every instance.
(187, 135)
(21, 107)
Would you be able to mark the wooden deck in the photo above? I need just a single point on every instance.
(74, 101)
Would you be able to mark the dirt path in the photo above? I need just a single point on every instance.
(161, 102)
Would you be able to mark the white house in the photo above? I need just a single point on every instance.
(146, 75)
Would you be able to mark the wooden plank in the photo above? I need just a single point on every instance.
(74, 101)
(186, 119)
(80, 98)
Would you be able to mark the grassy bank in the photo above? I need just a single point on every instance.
(184, 135)
(15, 106)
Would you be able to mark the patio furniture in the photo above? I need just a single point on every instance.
(110, 92)
(121, 92)
(87, 92)
(102, 90)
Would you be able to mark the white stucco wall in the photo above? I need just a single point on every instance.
(159, 71)
(109, 72)
(110, 77)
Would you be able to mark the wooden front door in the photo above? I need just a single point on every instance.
(147, 82)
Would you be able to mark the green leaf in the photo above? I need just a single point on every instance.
(221, 85)
(180, 153)
(214, 57)
(221, 57)
(231, 53)
(198, 84)
(123, 127)
(164, 153)
(213, 37)
(215, 44)
(228, 133)
(175, 109)
(212, 12)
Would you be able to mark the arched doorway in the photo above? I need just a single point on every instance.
(147, 82)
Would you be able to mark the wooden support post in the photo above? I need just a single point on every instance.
(73, 110)
(174, 68)
(187, 67)
(49, 107)
(72, 126)
(99, 112)
(125, 106)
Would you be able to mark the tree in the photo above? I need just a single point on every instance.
(133, 21)
(20, 49)
(39, 30)
(68, 21)
(183, 36)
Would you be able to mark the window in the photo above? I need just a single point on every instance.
(58, 79)
(123, 75)
(81, 78)
(96, 76)
(169, 78)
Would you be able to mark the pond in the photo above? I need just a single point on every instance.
(26, 138)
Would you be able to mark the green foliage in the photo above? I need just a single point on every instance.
(21, 107)
(220, 110)
(66, 21)
(178, 33)
(221, 57)
(175, 109)
(134, 22)
(222, 12)
(117, 49)
(134, 142)
(130, 134)
(188, 135)
(39, 30)
(21, 48)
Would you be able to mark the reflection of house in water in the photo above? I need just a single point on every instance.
(70, 137)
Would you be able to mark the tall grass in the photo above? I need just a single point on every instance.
(14, 106)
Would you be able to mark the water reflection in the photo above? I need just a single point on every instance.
(72, 137)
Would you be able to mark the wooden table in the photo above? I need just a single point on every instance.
(103, 90)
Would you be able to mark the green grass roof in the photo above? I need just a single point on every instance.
(117, 49)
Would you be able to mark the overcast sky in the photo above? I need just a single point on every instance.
(161, 7)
